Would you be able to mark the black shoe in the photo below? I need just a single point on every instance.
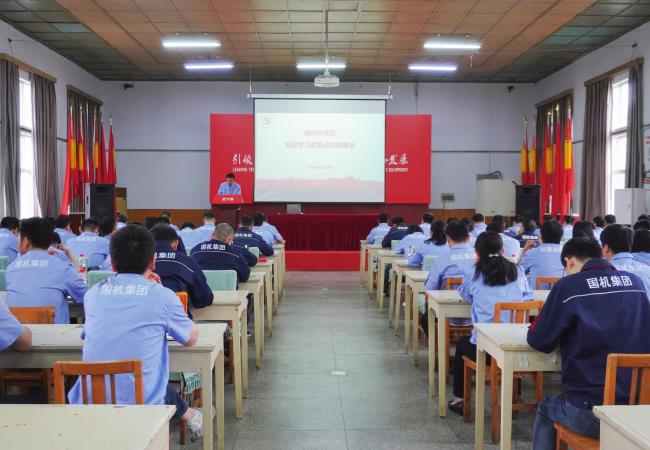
(456, 407)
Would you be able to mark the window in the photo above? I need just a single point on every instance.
(28, 201)
(617, 149)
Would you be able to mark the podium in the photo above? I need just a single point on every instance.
(226, 208)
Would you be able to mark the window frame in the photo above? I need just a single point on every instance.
(25, 80)
(614, 133)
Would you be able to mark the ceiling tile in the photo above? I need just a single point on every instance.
(268, 5)
(193, 5)
(637, 10)
(378, 5)
(271, 16)
(164, 16)
(456, 5)
(376, 17)
(605, 9)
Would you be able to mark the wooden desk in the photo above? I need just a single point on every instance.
(414, 280)
(507, 345)
(281, 251)
(266, 268)
(624, 427)
(443, 305)
(78, 427)
(51, 343)
(372, 250)
(276, 259)
(384, 257)
(363, 266)
(395, 293)
(231, 306)
(255, 285)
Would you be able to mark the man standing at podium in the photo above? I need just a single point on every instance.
(229, 187)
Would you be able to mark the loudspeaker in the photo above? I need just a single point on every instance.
(100, 200)
(527, 201)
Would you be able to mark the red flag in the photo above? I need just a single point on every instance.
(102, 154)
(94, 171)
(82, 169)
(559, 207)
(69, 185)
(112, 169)
(532, 160)
(547, 169)
(525, 173)
(569, 180)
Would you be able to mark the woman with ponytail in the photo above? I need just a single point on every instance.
(435, 245)
(493, 279)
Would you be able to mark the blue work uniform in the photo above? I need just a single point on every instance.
(410, 243)
(119, 225)
(589, 315)
(567, 232)
(525, 237)
(426, 229)
(217, 255)
(64, 234)
(190, 237)
(642, 257)
(380, 230)
(93, 247)
(180, 273)
(10, 328)
(40, 279)
(452, 264)
(246, 238)
(127, 317)
(514, 230)
(625, 262)
(482, 297)
(226, 189)
(478, 229)
(597, 232)
(265, 234)
(8, 244)
(203, 233)
(395, 234)
(274, 231)
(426, 248)
(511, 246)
(542, 261)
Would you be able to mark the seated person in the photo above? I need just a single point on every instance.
(641, 246)
(436, 245)
(599, 226)
(478, 225)
(220, 254)
(610, 219)
(593, 311)
(204, 232)
(617, 244)
(398, 230)
(277, 237)
(128, 316)
(176, 270)
(164, 220)
(121, 221)
(414, 238)
(62, 251)
(528, 233)
(37, 278)
(9, 227)
(511, 247)
(90, 245)
(62, 228)
(455, 262)
(380, 230)
(583, 228)
(642, 224)
(13, 334)
(543, 259)
(568, 227)
(188, 236)
(107, 227)
(261, 230)
(246, 238)
(515, 229)
(492, 279)
(425, 224)
(167, 215)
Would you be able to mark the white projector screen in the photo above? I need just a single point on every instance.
(313, 151)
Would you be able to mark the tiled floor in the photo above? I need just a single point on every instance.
(326, 324)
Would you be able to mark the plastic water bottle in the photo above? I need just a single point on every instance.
(83, 267)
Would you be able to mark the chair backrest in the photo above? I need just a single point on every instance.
(428, 262)
(545, 282)
(4, 262)
(96, 276)
(3, 280)
(33, 314)
(453, 283)
(639, 382)
(182, 296)
(519, 311)
(378, 239)
(255, 251)
(97, 371)
(394, 244)
(221, 280)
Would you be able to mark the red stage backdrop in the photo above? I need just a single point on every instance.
(408, 155)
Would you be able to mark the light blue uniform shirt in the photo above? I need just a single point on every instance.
(65, 235)
(10, 328)
(409, 243)
(40, 279)
(567, 231)
(127, 317)
(119, 225)
(597, 232)
(642, 257)
(514, 230)
(483, 297)
(478, 229)
(233, 189)
(203, 233)
(274, 231)
(265, 234)
(426, 249)
(93, 247)
(452, 264)
(8, 244)
(190, 237)
(511, 246)
(426, 229)
(625, 261)
(542, 261)
(380, 230)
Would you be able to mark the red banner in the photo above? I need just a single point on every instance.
(408, 156)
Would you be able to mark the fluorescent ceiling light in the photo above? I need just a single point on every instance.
(451, 45)
(209, 65)
(320, 65)
(431, 67)
(186, 43)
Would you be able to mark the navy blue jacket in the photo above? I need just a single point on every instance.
(245, 238)
(217, 255)
(589, 315)
(181, 246)
(180, 273)
(395, 234)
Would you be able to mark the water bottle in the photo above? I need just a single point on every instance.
(83, 267)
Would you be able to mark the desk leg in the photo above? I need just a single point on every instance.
(480, 396)
(269, 301)
(431, 331)
(507, 375)
(243, 340)
(371, 273)
(391, 296)
(415, 303)
(442, 365)
(258, 333)
(380, 282)
(219, 402)
(236, 344)
(398, 303)
(259, 303)
(361, 264)
(208, 396)
(276, 282)
(407, 318)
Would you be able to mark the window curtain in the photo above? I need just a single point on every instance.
(634, 168)
(9, 138)
(45, 158)
(594, 161)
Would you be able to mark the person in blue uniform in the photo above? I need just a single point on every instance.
(229, 187)
(107, 227)
(478, 225)
(436, 245)
(177, 271)
(246, 238)
(641, 246)
(90, 244)
(381, 229)
(164, 220)
(168, 216)
(529, 232)
(610, 219)
(204, 232)
(455, 262)
(277, 237)
(583, 228)
(599, 226)
(13, 334)
(121, 221)
(62, 228)
(515, 229)
(128, 317)
(543, 259)
(595, 310)
(511, 247)
(413, 239)
(425, 224)
(568, 227)
(617, 244)
(62, 251)
(188, 236)
(9, 227)
(220, 254)
(398, 230)
(37, 278)
(264, 232)
(492, 279)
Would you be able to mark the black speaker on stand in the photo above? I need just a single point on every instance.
(100, 200)
(527, 202)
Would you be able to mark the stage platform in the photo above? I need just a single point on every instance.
(313, 260)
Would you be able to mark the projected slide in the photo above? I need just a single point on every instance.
(319, 150)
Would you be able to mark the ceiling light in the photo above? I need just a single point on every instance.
(320, 65)
(185, 43)
(209, 65)
(431, 67)
(451, 45)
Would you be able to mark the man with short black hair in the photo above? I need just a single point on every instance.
(595, 310)
(264, 232)
(544, 260)
(121, 221)
(617, 243)
(219, 253)
(9, 227)
(229, 187)
(168, 215)
(106, 227)
(478, 225)
(641, 246)
(397, 232)
(246, 238)
(90, 245)
(610, 219)
(277, 237)
(62, 228)
(425, 224)
(515, 229)
(599, 226)
(568, 227)
(204, 232)
(381, 229)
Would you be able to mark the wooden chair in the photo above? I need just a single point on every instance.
(639, 395)
(519, 313)
(183, 297)
(97, 371)
(549, 282)
(24, 379)
(454, 332)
